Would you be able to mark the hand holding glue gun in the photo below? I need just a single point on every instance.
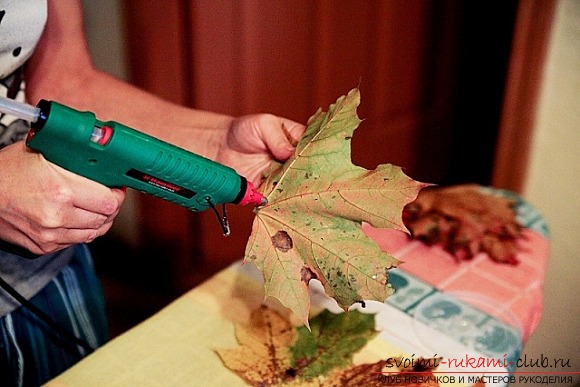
(118, 156)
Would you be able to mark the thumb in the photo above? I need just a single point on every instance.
(283, 142)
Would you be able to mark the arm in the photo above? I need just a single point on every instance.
(61, 69)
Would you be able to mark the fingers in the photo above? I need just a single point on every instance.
(90, 203)
(66, 236)
(93, 197)
(253, 142)
(43, 236)
(48, 240)
(283, 137)
(81, 211)
(292, 130)
(288, 133)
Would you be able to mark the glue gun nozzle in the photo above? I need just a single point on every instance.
(253, 196)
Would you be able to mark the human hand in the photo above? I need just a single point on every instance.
(45, 208)
(253, 142)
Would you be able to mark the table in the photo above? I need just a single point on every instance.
(476, 309)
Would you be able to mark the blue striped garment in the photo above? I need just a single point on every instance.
(30, 352)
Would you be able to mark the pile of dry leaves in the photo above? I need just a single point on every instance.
(465, 220)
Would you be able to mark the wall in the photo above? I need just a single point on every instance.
(553, 186)
(104, 30)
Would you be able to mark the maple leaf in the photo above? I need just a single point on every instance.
(330, 344)
(465, 220)
(264, 355)
(273, 352)
(311, 226)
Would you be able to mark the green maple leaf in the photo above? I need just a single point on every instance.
(311, 226)
(324, 348)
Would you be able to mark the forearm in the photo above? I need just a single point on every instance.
(61, 69)
(113, 99)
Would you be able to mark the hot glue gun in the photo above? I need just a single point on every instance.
(118, 156)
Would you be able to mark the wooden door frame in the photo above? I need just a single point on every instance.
(526, 68)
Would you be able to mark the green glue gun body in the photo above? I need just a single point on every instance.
(118, 156)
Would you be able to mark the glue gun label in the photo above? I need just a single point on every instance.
(159, 183)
